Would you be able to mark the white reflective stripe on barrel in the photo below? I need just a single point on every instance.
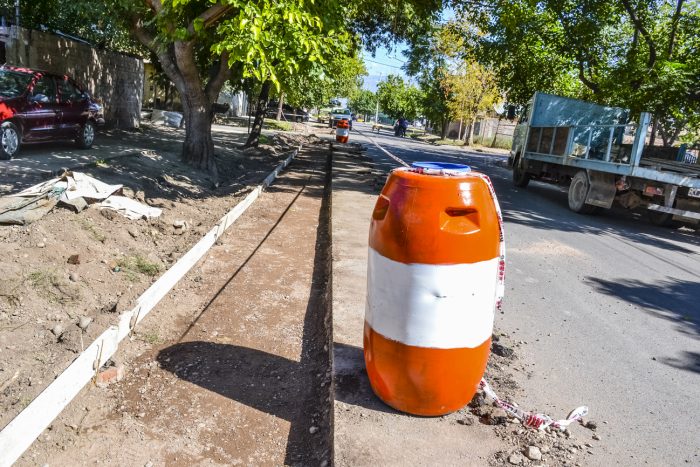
(342, 132)
(436, 306)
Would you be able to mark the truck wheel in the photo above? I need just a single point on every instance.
(662, 219)
(578, 191)
(520, 177)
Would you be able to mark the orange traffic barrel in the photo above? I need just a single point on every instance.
(342, 131)
(435, 277)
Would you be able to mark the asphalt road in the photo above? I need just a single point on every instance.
(607, 308)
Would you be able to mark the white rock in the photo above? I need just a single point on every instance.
(57, 330)
(533, 453)
(84, 322)
(313, 429)
(515, 459)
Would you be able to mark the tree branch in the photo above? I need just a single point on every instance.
(215, 84)
(209, 16)
(674, 25)
(155, 5)
(587, 82)
(643, 31)
(166, 59)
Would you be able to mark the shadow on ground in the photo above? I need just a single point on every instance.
(672, 299)
(272, 383)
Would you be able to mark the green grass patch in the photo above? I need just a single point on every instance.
(275, 125)
(92, 230)
(151, 337)
(49, 284)
(502, 142)
(132, 266)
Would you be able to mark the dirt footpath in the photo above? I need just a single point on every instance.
(68, 276)
(233, 367)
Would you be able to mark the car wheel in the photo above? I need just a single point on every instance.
(9, 141)
(86, 136)
(299, 119)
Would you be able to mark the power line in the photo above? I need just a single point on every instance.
(380, 63)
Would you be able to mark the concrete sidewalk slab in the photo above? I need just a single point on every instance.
(367, 432)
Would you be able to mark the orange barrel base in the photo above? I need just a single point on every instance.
(341, 139)
(423, 381)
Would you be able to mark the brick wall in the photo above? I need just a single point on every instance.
(114, 79)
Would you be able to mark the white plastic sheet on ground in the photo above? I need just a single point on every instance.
(75, 189)
(130, 208)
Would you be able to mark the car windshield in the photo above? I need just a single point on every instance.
(13, 83)
(341, 111)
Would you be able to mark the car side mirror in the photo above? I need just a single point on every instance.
(39, 99)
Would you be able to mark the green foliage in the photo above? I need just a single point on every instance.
(274, 40)
(94, 21)
(638, 54)
(363, 102)
(138, 264)
(399, 99)
(340, 76)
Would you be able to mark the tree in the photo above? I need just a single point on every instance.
(456, 85)
(398, 99)
(201, 44)
(363, 102)
(93, 21)
(639, 54)
(472, 89)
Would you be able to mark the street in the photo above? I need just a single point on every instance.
(605, 308)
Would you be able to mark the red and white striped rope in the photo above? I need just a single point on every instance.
(531, 419)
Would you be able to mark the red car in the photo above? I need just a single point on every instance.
(36, 106)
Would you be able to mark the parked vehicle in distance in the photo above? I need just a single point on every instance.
(603, 156)
(289, 113)
(339, 114)
(36, 106)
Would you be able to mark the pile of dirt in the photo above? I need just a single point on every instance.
(68, 276)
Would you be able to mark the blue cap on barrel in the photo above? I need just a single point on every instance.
(441, 168)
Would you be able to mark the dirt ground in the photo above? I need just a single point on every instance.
(233, 367)
(51, 309)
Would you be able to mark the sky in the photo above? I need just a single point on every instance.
(382, 64)
(385, 62)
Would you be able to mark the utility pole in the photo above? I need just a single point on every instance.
(376, 112)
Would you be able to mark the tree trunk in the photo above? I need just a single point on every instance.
(469, 136)
(198, 148)
(495, 135)
(280, 106)
(443, 130)
(260, 106)
(459, 131)
(652, 137)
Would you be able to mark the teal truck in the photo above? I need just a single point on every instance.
(603, 155)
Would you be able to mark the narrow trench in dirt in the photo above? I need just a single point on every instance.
(317, 347)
